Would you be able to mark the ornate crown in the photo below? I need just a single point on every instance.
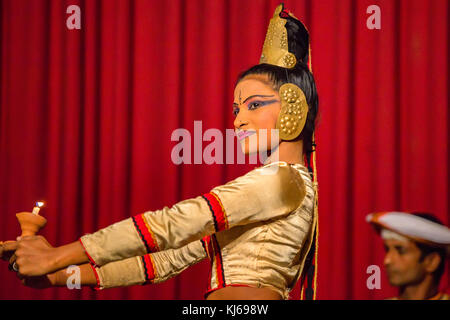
(275, 49)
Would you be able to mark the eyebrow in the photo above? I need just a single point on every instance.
(256, 95)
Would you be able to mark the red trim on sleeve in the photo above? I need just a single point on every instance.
(149, 268)
(207, 245)
(206, 242)
(145, 233)
(220, 275)
(97, 287)
(87, 253)
(217, 210)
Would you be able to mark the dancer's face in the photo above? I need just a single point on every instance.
(256, 107)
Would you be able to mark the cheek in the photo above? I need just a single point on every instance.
(267, 138)
(266, 119)
(411, 271)
(406, 262)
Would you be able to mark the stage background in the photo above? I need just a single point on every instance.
(86, 118)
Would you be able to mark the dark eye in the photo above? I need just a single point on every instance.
(235, 111)
(254, 105)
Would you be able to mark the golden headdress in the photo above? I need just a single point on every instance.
(294, 107)
(276, 49)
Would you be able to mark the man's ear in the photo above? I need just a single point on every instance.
(432, 262)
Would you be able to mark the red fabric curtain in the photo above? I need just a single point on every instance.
(86, 118)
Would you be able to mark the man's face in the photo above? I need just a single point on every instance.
(402, 262)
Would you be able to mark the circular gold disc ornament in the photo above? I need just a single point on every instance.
(293, 113)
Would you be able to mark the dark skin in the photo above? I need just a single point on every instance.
(406, 271)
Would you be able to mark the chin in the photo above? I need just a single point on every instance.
(248, 150)
(253, 145)
(396, 282)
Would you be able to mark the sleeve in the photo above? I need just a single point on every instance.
(264, 193)
(151, 268)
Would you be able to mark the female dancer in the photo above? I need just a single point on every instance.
(258, 230)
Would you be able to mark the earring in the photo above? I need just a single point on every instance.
(293, 113)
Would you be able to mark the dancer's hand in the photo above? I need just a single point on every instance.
(40, 282)
(5, 253)
(34, 256)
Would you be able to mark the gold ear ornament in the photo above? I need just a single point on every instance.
(293, 113)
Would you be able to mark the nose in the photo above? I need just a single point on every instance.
(387, 258)
(240, 120)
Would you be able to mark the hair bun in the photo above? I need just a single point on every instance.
(298, 39)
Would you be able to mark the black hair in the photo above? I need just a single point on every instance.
(298, 44)
(427, 249)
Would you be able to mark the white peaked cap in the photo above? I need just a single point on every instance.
(412, 227)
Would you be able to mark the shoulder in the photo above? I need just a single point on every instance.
(264, 193)
(279, 173)
(282, 173)
(278, 178)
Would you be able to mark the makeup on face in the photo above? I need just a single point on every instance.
(252, 128)
(252, 103)
(242, 134)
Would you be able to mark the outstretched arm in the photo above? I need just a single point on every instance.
(151, 268)
(265, 193)
(60, 278)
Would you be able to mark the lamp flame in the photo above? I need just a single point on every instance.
(37, 207)
(39, 204)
